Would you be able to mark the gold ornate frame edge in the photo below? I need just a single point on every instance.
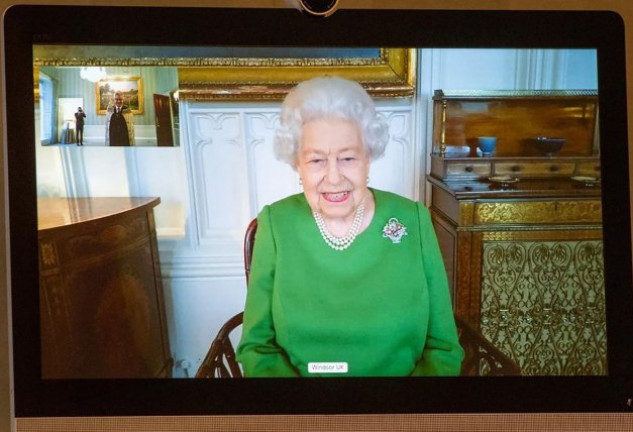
(391, 74)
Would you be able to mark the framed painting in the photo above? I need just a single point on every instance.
(131, 87)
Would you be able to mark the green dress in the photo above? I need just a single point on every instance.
(377, 308)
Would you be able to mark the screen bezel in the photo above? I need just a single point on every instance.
(27, 25)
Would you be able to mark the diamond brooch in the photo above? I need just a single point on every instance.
(394, 230)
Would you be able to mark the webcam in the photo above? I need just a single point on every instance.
(320, 8)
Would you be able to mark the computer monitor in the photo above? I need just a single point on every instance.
(185, 49)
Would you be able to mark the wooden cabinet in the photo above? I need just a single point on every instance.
(101, 296)
(524, 259)
(515, 117)
(461, 167)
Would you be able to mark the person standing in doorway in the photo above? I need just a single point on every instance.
(79, 126)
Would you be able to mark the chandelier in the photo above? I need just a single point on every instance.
(92, 74)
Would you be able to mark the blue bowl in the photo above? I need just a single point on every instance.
(487, 144)
(548, 145)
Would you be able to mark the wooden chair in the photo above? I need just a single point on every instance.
(220, 359)
(482, 357)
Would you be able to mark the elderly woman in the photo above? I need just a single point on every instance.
(346, 280)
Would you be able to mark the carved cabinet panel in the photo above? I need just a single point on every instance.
(542, 299)
(528, 272)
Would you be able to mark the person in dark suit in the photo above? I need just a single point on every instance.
(80, 115)
(119, 123)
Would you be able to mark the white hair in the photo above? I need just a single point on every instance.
(328, 98)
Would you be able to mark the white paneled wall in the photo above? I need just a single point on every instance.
(224, 172)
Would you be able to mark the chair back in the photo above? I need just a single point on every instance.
(220, 360)
(482, 357)
(249, 243)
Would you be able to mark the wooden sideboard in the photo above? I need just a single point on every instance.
(526, 268)
(524, 258)
(101, 295)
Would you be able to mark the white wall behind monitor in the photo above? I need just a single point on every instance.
(526, 422)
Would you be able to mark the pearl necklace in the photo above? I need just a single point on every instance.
(341, 243)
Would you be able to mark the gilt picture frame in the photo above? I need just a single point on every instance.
(132, 88)
(252, 73)
(385, 72)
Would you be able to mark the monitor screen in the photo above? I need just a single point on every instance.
(126, 262)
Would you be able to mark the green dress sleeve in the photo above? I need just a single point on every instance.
(258, 351)
(442, 355)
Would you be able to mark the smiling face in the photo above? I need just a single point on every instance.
(333, 165)
(118, 100)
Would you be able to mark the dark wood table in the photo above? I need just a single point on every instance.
(101, 295)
